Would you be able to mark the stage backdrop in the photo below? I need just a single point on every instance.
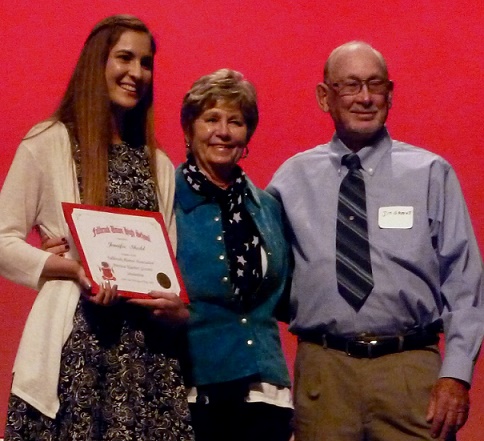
(433, 48)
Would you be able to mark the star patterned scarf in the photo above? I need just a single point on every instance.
(241, 236)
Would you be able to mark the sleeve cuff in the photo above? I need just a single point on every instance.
(460, 367)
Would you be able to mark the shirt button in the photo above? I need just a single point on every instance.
(351, 218)
(244, 321)
(219, 238)
(250, 342)
(216, 218)
(221, 257)
(225, 279)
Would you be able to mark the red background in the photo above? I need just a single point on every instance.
(434, 51)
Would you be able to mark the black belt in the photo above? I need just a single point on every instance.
(367, 346)
(234, 391)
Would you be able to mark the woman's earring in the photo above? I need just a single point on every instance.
(245, 153)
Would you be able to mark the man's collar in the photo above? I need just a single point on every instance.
(369, 155)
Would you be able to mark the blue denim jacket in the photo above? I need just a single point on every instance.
(224, 343)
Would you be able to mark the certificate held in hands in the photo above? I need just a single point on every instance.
(128, 248)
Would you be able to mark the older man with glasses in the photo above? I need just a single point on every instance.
(385, 260)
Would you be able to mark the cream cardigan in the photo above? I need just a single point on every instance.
(42, 175)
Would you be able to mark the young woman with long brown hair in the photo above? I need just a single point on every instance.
(90, 367)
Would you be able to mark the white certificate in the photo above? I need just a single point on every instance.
(128, 248)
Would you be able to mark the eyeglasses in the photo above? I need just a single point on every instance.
(375, 86)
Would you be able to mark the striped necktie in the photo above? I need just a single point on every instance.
(353, 264)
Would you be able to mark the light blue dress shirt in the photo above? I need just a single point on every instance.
(425, 259)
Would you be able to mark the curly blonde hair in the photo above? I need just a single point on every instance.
(226, 85)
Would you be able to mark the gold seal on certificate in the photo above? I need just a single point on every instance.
(129, 248)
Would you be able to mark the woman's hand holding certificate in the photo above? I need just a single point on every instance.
(166, 306)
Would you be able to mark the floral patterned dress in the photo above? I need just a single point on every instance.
(120, 377)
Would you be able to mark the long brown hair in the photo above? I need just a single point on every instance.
(85, 108)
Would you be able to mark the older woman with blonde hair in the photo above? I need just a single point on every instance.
(90, 368)
(235, 264)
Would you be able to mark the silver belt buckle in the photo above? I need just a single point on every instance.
(367, 344)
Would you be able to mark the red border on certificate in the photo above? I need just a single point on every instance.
(107, 269)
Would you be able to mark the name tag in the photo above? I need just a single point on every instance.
(395, 217)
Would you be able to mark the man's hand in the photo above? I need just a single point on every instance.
(166, 306)
(448, 408)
